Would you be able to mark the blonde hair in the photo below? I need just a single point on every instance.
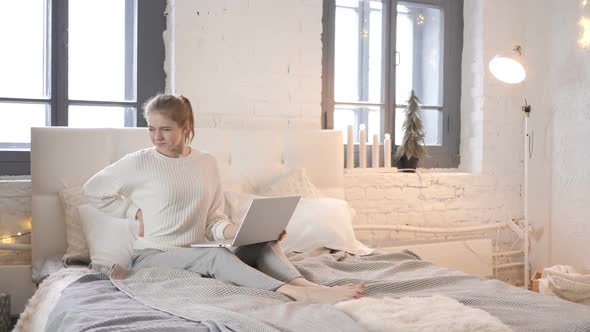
(176, 108)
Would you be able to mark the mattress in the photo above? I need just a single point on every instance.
(157, 299)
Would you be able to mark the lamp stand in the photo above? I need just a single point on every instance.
(527, 154)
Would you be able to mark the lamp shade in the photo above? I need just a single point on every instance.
(507, 70)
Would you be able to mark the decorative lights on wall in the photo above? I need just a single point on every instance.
(585, 34)
(12, 238)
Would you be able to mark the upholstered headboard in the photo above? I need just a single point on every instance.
(70, 156)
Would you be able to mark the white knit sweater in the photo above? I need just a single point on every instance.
(180, 198)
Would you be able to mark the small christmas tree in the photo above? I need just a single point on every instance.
(412, 145)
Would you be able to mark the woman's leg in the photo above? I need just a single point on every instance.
(218, 263)
(269, 259)
(222, 264)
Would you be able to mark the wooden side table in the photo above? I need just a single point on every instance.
(5, 323)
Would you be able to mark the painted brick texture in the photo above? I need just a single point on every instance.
(249, 64)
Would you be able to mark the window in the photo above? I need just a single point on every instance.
(78, 63)
(377, 51)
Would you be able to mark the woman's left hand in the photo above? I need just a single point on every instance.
(282, 236)
(139, 219)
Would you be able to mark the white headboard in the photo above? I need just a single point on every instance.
(71, 156)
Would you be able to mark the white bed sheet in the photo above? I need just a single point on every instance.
(35, 316)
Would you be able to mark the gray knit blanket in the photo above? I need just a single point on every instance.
(157, 299)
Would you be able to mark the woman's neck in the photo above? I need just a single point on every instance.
(178, 152)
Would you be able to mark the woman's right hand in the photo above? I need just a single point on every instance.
(230, 231)
(139, 218)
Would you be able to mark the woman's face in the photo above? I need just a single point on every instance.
(166, 135)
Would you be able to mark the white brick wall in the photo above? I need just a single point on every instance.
(472, 101)
(558, 90)
(556, 86)
(491, 120)
(247, 64)
(430, 199)
(15, 213)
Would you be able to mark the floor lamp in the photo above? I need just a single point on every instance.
(509, 70)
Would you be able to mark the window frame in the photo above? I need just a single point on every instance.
(445, 155)
(150, 80)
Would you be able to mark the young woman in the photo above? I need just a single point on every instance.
(174, 191)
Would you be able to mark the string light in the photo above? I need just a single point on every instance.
(585, 39)
(25, 225)
(19, 234)
(420, 19)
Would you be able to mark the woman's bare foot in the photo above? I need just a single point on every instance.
(323, 294)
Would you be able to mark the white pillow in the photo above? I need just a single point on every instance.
(294, 182)
(237, 204)
(77, 248)
(316, 222)
(110, 239)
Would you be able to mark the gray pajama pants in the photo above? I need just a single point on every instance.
(260, 265)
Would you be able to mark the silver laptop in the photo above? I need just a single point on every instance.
(265, 220)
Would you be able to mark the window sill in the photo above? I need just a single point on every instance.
(393, 170)
(15, 178)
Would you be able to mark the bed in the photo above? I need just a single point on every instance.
(79, 298)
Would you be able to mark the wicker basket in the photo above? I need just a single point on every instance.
(5, 325)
